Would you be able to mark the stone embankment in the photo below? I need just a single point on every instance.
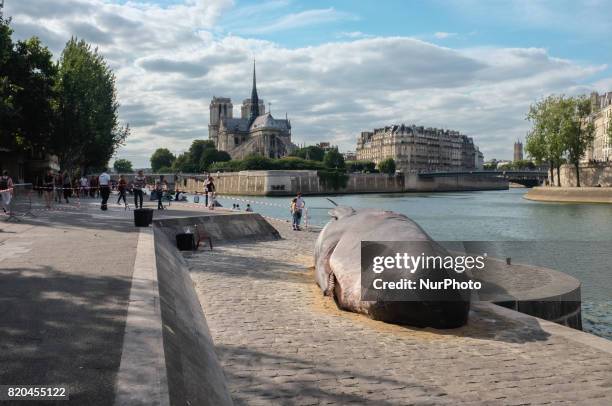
(279, 341)
(570, 194)
(286, 183)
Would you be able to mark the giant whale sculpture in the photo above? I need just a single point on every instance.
(338, 268)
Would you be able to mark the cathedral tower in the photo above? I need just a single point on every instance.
(220, 108)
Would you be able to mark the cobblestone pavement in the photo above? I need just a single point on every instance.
(281, 342)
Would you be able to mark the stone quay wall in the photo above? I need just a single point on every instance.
(590, 175)
(570, 194)
(286, 183)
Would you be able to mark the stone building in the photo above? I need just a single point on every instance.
(255, 132)
(518, 151)
(601, 148)
(418, 148)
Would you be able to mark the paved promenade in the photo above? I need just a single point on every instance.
(65, 279)
(281, 343)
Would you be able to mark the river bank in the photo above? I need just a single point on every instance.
(572, 238)
(570, 194)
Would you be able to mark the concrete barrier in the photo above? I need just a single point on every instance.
(222, 227)
(570, 194)
(194, 374)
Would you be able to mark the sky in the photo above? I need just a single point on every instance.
(335, 68)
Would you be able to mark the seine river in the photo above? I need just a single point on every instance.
(573, 238)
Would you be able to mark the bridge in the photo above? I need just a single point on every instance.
(528, 178)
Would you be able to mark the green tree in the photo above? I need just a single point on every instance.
(546, 116)
(27, 77)
(360, 166)
(387, 166)
(256, 162)
(312, 152)
(535, 146)
(333, 159)
(88, 131)
(122, 166)
(162, 158)
(185, 163)
(576, 132)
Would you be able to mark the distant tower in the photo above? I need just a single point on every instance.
(253, 107)
(518, 151)
(220, 108)
(254, 99)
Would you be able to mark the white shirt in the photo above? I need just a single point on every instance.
(299, 203)
(104, 179)
(84, 181)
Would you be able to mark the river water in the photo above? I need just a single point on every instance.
(572, 238)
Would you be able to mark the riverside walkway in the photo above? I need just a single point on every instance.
(281, 343)
(67, 282)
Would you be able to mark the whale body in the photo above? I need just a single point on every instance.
(338, 268)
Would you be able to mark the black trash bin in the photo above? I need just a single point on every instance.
(185, 242)
(143, 217)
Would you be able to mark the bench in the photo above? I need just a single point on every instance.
(202, 235)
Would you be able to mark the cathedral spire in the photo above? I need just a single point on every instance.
(254, 98)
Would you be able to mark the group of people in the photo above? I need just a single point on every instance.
(236, 206)
(58, 187)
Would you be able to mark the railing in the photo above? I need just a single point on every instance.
(18, 200)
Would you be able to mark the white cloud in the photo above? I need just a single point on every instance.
(353, 35)
(169, 62)
(298, 20)
(444, 35)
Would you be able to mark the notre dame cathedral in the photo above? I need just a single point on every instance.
(255, 132)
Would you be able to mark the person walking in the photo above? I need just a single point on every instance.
(94, 192)
(66, 186)
(6, 191)
(297, 206)
(48, 181)
(84, 183)
(138, 185)
(211, 193)
(58, 187)
(122, 187)
(104, 182)
(159, 191)
(206, 183)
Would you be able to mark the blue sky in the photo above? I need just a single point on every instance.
(574, 30)
(336, 68)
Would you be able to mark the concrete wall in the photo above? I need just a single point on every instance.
(590, 175)
(222, 227)
(416, 183)
(286, 183)
(570, 194)
(195, 376)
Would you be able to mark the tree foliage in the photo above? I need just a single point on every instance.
(312, 152)
(387, 166)
(162, 158)
(88, 131)
(361, 166)
(123, 166)
(27, 77)
(333, 159)
(200, 156)
(560, 132)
